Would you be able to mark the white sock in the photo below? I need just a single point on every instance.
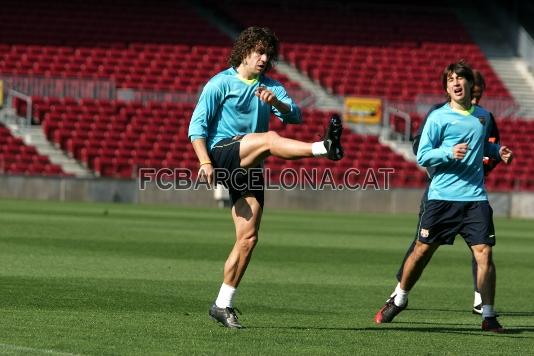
(394, 293)
(478, 299)
(401, 296)
(225, 297)
(318, 149)
(488, 311)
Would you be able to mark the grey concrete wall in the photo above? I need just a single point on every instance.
(68, 189)
(127, 191)
(395, 200)
(522, 205)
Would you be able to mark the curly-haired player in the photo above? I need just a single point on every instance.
(229, 130)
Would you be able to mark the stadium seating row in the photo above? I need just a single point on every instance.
(139, 68)
(111, 24)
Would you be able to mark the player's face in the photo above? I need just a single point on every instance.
(256, 62)
(476, 94)
(458, 89)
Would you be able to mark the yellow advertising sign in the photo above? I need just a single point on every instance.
(1, 93)
(363, 110)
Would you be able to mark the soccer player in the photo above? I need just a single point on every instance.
(479, 85)
(229, 131)
(454, 141)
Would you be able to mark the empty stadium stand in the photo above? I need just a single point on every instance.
(519, 135)
(389, 52)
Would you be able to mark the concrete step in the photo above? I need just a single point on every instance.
(321, 98)
(402, 148)
(35, 137)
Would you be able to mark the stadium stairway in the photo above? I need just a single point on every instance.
(401, 147)
(34, 137)
(322, 98)
(511, 69)
(520, 82)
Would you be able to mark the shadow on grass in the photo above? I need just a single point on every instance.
(459, 311)
(476, 330)
(436, 328)
(463, 311)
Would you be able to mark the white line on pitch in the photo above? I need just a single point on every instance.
(7, 347)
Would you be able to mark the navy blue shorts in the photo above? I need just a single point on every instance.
(442, 220)
(240, 182)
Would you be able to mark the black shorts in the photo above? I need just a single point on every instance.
(442, 220)
(228, 172)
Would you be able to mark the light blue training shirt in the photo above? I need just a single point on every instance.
(456, 180)
(228, 107)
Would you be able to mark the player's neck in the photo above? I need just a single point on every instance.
(464, 105)
(246, 74)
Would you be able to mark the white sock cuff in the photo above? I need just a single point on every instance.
(399, 290)
(402, 296)
(318, 149)
(227, 287)
(225, 297)
(394, 293)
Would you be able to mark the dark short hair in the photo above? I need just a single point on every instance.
(461, 68)
(254, 38)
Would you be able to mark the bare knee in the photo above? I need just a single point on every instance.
(483, 255)
(270, 139)
(422, 252)
(247, 242)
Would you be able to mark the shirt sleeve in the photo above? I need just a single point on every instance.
(294, 115)
(207, 106)
(417, 137)
(430, 152)
(491, 150)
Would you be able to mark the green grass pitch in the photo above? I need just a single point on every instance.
(103, 279)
